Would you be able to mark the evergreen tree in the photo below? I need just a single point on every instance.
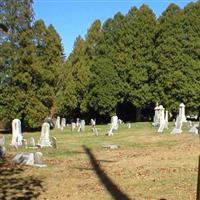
(32, 65)
(49, 51)
(17, 16)
(142, 25)
(191, 44)
(79, 65)
(105, 85)
(176, 75)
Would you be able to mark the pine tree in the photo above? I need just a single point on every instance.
(176, 75)
(191, 45)
(32, 65)
(17, 16)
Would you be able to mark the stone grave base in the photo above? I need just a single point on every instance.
(110, 146)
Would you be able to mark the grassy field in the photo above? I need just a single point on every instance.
(147, 165)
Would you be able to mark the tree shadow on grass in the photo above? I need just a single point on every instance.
(14, 187)
(111, 187)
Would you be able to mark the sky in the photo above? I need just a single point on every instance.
(72, 18)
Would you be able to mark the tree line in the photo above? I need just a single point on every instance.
(124, 65)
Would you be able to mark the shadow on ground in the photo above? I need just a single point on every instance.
(111, 187)
(14, 187)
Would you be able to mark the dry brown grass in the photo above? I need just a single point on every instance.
(146, 166)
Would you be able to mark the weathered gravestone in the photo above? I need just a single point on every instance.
(120, 121)
(73, 126)
(178, 126)
(114, 125)
(166, 119)
(194, 129)
(190, 123)
(92, 122)
(81, 127)
(32, 142)
(54, 142)
(17, 138)
(182, 112)
(44, 140)
(58, 122)
(78, 122)
(25, 143)
(63, 122)
(161, 119)
(129, 125)
(26, 158)
(93, 127)
(38, 159)
(156, 119)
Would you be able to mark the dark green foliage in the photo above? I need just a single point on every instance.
(131, 61)
(105, 84)
(141, 25)
(31, 64)
(177, 74)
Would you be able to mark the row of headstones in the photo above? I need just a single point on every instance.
(161, 120)
(28, 158)
(44, 141)
(18, 140)
(34, 159)
(80, 125)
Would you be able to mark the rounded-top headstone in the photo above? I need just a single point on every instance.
(160, 107)
(156, 108)
(182, 105)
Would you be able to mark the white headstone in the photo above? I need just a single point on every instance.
(93, 122)
(78, 122)
(162, 120)
(32, 142)
(24, 158)
(166, 119)
(58, 122)
(44, 139)
(81, 127)
(182, 112)
(178, 126)
(73, 126)
(17, 137)
(38, 158)
(129, 125)
(190, 123)
(25, 143)
(33, 159)
(63, 122)
(156, 119)
(93, 127)
(120, 121)
(114, 125)
(194, 129)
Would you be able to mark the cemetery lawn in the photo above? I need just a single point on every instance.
(147, 165)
